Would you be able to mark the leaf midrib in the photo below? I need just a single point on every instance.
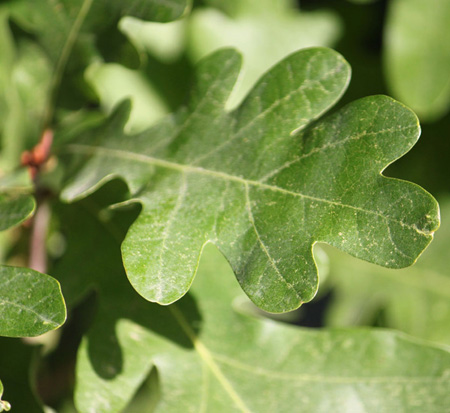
(122, 154)
(207, 357)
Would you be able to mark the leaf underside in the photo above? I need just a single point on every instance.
(264, 182)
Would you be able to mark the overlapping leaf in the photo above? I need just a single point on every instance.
(263, 183)
(362, 290)
(417, 58)
(210, 357)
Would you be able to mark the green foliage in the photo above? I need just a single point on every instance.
(213, 191)
(193, 154)
(417, 56)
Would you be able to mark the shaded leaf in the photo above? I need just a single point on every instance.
(260, 184)
(415, 300)
(211, 357)
(17, 363)
(31, 303)
(417, 61)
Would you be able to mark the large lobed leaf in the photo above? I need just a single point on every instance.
(210, 356)
(262, 183)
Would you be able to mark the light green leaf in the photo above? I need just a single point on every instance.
(417, 56)
(14, 209)
(4, 405)
(211, 358)
(265, 31)
(262, 183)
(113, 83)
(415, 300)
(31, 303)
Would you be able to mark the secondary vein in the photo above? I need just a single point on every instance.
(121, 154)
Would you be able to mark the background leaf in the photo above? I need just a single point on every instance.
(264, 31)
(417, 58)
(24, 83)
(298, 184)
(14, 209)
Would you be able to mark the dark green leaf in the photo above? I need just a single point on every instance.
(17, 364)
(31, 303)
(263, 183)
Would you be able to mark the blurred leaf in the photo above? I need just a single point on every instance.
(24, 83)
(265, 31)
(259, 183)
(114, 83)
(31, 303)
(415, 300)
(417, 56)
(74, 18)
(14, 208)
(166, 41)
